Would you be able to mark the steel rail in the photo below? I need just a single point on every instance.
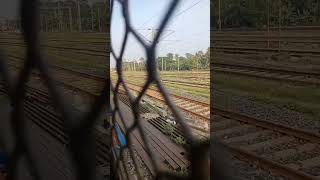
(276, 70)
(296, 77)
(103, 79)
(265, 50)
(265, 162)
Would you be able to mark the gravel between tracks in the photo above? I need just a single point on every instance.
(267, 112)
(237, 169)
(250, 171)
(247, 106)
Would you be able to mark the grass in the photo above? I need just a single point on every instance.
(133, 77)
(304, 99)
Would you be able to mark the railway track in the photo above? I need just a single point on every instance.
(168, 154)
(160, 122)
(171, 156)
(288, 152)
(306, 78)
(90, 51)
(259, 50)
(193, 81)
(37, 110)
(192, 107)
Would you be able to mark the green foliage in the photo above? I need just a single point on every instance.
(254, 13)
(168, 129)
(93, 16)
(174, 62)
(179, 140)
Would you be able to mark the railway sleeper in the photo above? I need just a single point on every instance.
(270, 143)
(248, 137)
(290, 152)
(236, 129)
(58, 130)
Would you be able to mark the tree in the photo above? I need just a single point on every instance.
(170, 56)
(253, 13)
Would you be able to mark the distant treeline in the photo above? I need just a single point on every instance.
(67, 16)
(73, 15)
(174, 62)
(255, 13)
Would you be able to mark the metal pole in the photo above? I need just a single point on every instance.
(41, 22)
(54, 17)
(197, 64)
(134, 65)
(268, 22)
(219, 4)
(99, 19)
(92, 19)
(165, 65)
(161, 63)
(79, 17)
(59, 17)
(70, 20)
(178, 64)
(280, 17)
(46, 22)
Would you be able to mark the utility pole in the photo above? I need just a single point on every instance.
(79, 16)
(219, 11)
(161, 63)
(165, 65)
(134, 65)
(59, 17)
(178, 64)
(54, 16)
(197, 64)
(280, 17)
(52, 26)
(268, 23)
(153, 34)
(92, 19)
(41, 23)
(99, 19)
(70, 19)
(46, 22)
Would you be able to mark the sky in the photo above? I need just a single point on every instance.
(190, 26)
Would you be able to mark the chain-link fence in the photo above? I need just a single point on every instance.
(199, 156)
(80, 134)
(81, 139)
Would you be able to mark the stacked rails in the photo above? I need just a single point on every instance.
(176, 156)
(167, 154)
(37, 110)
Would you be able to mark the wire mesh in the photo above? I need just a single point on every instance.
(80, 134)
(198, 151)
(81, 140)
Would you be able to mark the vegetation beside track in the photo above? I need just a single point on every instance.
(191, 79)
(13, 45)
(304, 99)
